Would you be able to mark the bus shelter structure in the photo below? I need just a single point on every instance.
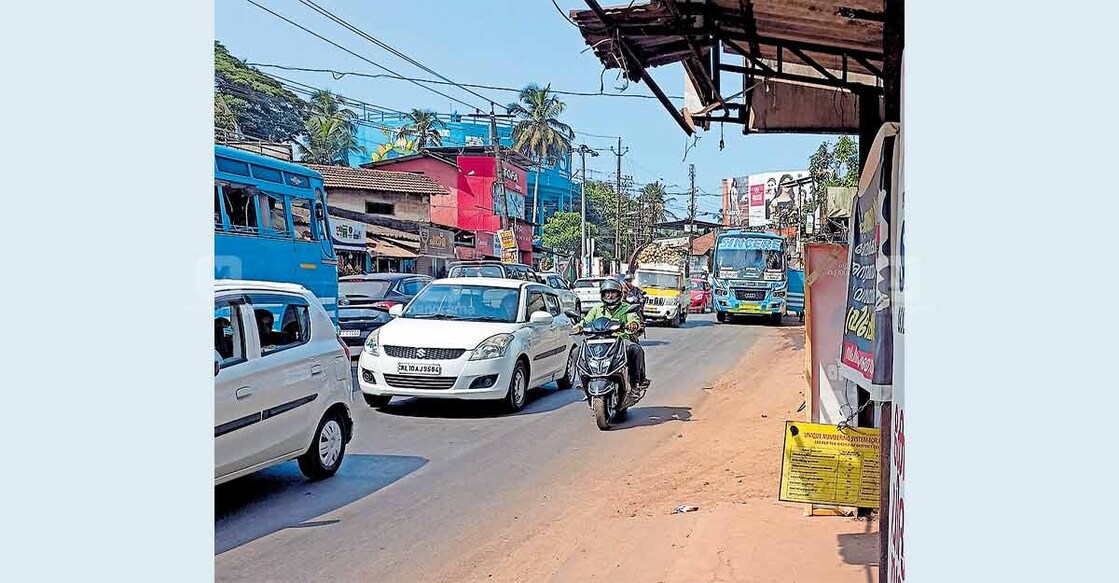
(770, 66)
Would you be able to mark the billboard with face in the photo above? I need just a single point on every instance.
(758, 199)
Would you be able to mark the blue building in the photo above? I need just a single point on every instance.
(556, 190)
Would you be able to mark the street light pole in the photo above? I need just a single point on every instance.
(584, 259)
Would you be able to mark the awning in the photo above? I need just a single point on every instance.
(377, 248)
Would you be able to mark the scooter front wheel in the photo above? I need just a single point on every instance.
(603, 408)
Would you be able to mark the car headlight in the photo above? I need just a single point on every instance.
(372, 343)
(492, 347)
(779, 294)
(720, 291)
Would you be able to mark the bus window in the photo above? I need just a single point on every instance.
(240, 206)
(320, 216)
(301, 219)
(277, 214)
(217, 209)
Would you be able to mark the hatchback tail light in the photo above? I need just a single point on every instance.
(344, 347)
(383, 304)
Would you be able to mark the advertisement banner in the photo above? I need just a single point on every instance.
(825, 464)
(348, 235)
(435, 242)
(866, 353)
(825, 286)
(895, 556)
(508, 238)
(759, 199)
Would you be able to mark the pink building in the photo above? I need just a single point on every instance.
(471, 205)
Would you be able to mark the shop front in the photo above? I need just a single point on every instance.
(349, 246)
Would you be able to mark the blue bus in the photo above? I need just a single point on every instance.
(271, 224)
(749, 275)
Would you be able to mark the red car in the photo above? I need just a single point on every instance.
(701, 296)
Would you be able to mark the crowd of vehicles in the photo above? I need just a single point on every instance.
(287, 328)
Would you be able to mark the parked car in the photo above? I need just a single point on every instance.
(490, 268)
(567, 297)
(282, 385)
(379, 289)
(700, 291)
(470, 338)
(356, 322)
(586, 289)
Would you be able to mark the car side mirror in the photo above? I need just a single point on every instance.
(217, 363)
(396, 310)
(540, 317)
(574, 316)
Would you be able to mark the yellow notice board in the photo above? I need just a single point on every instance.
(824, 464)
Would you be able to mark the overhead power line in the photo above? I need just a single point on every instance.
(340, 74)
(323, 11)
(366, 59)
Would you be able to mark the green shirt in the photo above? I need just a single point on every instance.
(619, 314)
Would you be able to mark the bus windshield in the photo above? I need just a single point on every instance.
(748, 256)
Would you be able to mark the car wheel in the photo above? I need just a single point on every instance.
(721, 317)
(377, 401)
(518, 388)
(568, 379)
(324, 457)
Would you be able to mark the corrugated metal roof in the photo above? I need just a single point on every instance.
(379, 180)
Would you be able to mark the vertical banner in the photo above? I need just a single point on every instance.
(895, 568)
(825, 286)
(866, 354)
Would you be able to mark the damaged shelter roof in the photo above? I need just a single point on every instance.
(814, 56)
(379, 180)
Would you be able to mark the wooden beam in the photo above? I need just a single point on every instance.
(811, 63)
(648, 79)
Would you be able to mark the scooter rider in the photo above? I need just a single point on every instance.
(614, 308)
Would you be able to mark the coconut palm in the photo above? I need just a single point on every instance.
(330, 131)
(421, 130)
(539, 134)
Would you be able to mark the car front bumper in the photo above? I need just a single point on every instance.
(661, 312)
(456, 375)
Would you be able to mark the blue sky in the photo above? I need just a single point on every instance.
(507, 43)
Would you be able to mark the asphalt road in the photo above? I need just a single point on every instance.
(422, 478)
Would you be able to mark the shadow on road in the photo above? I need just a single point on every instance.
(698, 323)
(647, 342)
(280, 497)
(648, 416)
(539, 400)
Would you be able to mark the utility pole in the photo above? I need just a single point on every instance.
(691, 221)
(618, 211)
(584, 258)
(498, 169)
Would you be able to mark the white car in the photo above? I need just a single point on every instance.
(568, 298)
(470, 338)
(282, 385)
(586, 289)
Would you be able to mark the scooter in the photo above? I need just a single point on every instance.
(604, 371)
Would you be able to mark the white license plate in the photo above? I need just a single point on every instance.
(351, 333)
(418, 369)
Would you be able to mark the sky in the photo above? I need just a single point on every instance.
(508, 43)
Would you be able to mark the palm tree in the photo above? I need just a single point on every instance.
(329, 131)
(421, 130)
(539, 134)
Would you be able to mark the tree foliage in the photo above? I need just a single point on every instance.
(562, 231)
(259, 105)
(539, 133)
(421, 130)
(330, 131)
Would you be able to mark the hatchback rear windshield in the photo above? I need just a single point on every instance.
(361, 290)
(588, 282)
(475, 271)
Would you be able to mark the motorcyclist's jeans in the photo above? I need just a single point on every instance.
(635, 356)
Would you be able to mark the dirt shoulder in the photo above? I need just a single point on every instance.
(618, 526)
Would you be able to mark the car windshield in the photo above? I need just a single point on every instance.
(364, 290)
(696, 284)
(475, 271)
(465, 302)
(654, 279)
(590, 283)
